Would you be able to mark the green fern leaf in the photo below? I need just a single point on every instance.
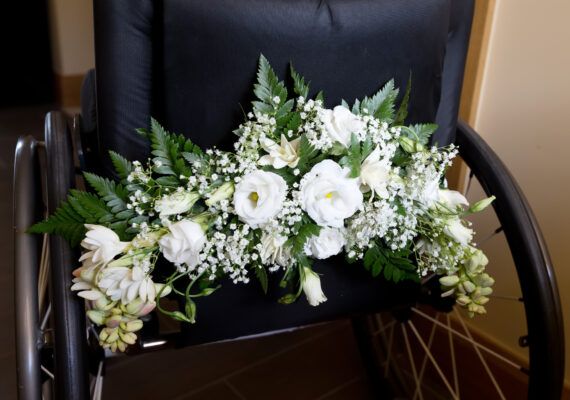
(299, 86)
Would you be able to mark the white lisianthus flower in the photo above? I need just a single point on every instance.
(184, 242)
(375, 174)
(457, 231)
(103, 244)
(311, 284)
(225, 191)
(340, 124)
(175, 203)
(272, 248)
(328, 195)
(328, 243)
(259, 197)
(126, 284)
(284, 155)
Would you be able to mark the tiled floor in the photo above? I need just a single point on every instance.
(315, 363)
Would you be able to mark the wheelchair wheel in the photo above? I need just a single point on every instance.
(53, 359)
(433, 351)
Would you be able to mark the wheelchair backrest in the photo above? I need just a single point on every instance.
(191, 63)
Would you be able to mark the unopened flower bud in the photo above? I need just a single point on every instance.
(450, 280)
(481, 204)
(97, 317)
(223, 192)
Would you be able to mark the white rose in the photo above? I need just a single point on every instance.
(328, 243)
(375, 174)
(259, 197)
(455, 229)
(340, 123)
(182, 245)
(175, 203)
(328, 195)
(284, 155)
(311, 284)
(103, 244)
(272, 248)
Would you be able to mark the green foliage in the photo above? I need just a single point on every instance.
(299, 86)
(115, 195)
(123, 166)
(297, 242)
(396, 265)
(381, 105)
(354, 157)
(419, 132)
(170, 150)
(308, 155)
(267, 88)
(402, 112)
(261, 274)
(70, 218)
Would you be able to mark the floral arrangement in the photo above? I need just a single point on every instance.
(304, 183)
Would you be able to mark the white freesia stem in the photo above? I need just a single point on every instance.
(103, 244)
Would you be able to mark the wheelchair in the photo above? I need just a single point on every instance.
(164, 58)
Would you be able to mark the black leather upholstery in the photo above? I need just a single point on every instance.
(192, 63)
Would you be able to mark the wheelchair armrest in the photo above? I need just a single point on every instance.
(530, 254)
(68, 309)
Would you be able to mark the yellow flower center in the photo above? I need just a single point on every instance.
(329, 195)
(253, 196)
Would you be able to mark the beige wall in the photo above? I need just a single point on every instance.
(524, 113)
(71, 29)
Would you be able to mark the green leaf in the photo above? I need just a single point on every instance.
(299, 86)
(381, 105)
(308, 155)
(261, 274)
(71, 216)
(354, 158)
(123, 167)
(395, 265)
(419, 132)
(267, 88)
(402, 112)
(297, 243)
(168, 149)
(115, 195)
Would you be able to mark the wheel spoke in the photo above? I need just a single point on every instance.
(490, 236)
(98, 388)
(383, 329)
(512, 298)
(411, 358)
(47, 371)
(45, 318)
(424, 361)
(432, 359)
(452, 354)
(390, 343)
(483, 361)
(462, 336)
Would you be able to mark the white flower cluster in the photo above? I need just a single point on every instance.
(326, 181)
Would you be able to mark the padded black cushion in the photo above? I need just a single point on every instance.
(192, 63)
